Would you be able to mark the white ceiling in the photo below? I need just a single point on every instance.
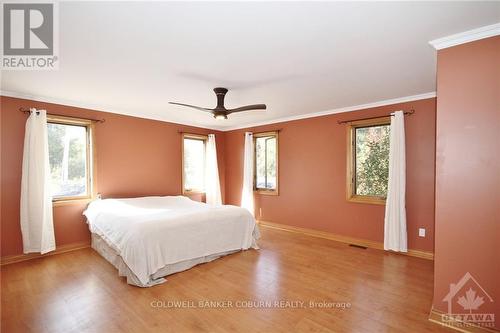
(297, 57)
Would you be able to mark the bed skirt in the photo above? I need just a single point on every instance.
(112, 256)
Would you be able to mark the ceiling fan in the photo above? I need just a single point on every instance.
(220, 111)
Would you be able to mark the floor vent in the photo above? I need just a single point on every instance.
(358, 246)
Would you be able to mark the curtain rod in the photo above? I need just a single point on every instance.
(276, 130)
(406, 113)
(26, 111)
(184, 132)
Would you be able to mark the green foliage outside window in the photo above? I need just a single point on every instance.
(372, 160)
(68, 175)
(265, 160)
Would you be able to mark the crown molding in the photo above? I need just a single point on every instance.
(222, 129)
(95, 107)
(339, 110)
(466, 36)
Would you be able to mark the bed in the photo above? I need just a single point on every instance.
(149, 238)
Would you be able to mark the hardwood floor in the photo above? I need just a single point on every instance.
(81, 292)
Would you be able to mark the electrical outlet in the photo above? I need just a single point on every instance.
(421, 232)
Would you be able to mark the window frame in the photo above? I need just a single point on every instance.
(191, 136)
(90, 158)
(351, 161)
(261, 190)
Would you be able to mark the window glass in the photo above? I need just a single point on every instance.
(68, 160)
(266, 162)
(372, 160)
(194, 164)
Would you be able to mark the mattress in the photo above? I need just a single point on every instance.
(148, 238)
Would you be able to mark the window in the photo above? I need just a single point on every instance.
(70, 158)
(193, 163)
(368, 161)
(266, 162)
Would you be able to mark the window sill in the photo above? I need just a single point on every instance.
(367, 200)
(192, 192)
(66, 202)
(267, 192)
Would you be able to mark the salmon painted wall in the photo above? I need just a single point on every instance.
(468, 170)
(312, 176)
(135, 157)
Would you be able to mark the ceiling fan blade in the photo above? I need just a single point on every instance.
(248, 108)
(192, 106)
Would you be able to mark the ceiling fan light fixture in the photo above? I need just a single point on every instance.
(220, 116)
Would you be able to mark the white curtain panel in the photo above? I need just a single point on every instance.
(37, 226)
(247, 191)
(395, 237)
(212, 184)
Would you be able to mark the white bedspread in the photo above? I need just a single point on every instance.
(151, 232)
